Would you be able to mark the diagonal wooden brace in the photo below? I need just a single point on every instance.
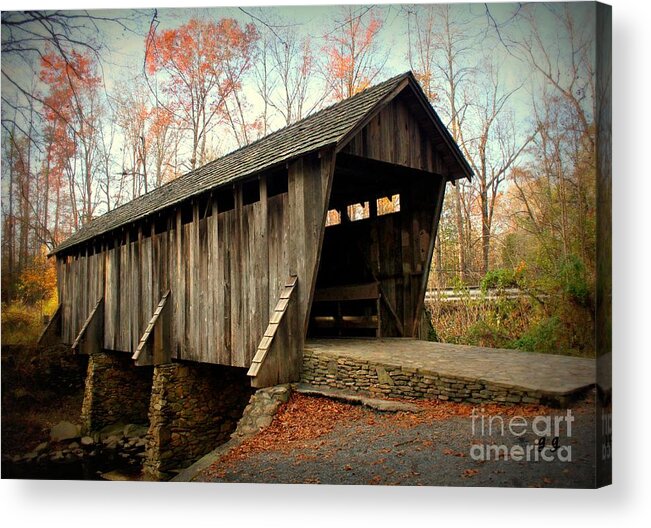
(91, 335)
(154, 345)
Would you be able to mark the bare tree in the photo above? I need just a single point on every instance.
(132, 114)
(106, 166)
(295, 67)
(353, 56)
(567, 66)
(564, 112)
(491, 147)
(265, 78)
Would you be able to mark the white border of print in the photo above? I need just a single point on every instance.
(34, 503)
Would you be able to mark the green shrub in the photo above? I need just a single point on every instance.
(572, 278)
(431, 334)
(17, 316)
(541, 337)
(499, 279)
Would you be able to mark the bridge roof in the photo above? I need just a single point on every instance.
(331, 126)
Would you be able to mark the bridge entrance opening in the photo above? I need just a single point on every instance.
(370, 272)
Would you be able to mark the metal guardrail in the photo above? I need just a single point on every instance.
(472, 293)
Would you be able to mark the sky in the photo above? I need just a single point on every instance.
(123, 53)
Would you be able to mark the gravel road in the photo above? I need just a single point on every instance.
(429, 448)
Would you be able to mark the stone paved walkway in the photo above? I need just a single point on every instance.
(546, 373)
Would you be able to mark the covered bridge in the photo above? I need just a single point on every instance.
(233, 263)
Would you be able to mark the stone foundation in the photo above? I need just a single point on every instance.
(379, 380)
(193, 409)
(258, 414)
(261, 409)
(115, 391)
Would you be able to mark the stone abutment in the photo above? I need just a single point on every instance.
(194, 408)
(115, 391)
(189, 408)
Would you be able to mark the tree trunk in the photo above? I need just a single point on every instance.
(461, 255)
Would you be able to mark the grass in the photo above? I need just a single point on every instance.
(22, 324)
(514, 323)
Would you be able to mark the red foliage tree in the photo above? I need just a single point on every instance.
(72, 113)
(204, 62)
(353, 60)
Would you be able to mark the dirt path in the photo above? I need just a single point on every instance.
(316, 440)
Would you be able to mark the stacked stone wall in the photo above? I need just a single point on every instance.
(381, 380)
(193, 408)
(115, 391)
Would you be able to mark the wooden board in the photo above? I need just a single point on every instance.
(348, 292)
(396, 135)
(225, 269)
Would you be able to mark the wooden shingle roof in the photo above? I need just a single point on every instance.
(325, 128)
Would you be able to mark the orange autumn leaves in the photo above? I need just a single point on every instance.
(199, 54)
(72, 113)
(352, 59)
(304, 419)
(200, 66)
(39, 278)
(302, 432)
(66, 75)
(300, 420)
(70, 82)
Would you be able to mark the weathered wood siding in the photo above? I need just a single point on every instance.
(394, 135)
(81, 284)
(224, 269)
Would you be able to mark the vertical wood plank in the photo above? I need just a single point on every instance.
(180, 301)
(247, 292)
(226, 225)
(172, 271)
(135, 277)
(237, 356)
(202, 291)
(211, 283)
(262, 265)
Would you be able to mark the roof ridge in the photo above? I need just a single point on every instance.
(257, 141)
(310, 116)
(276, 147)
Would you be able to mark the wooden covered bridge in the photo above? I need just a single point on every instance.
(239, 261)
